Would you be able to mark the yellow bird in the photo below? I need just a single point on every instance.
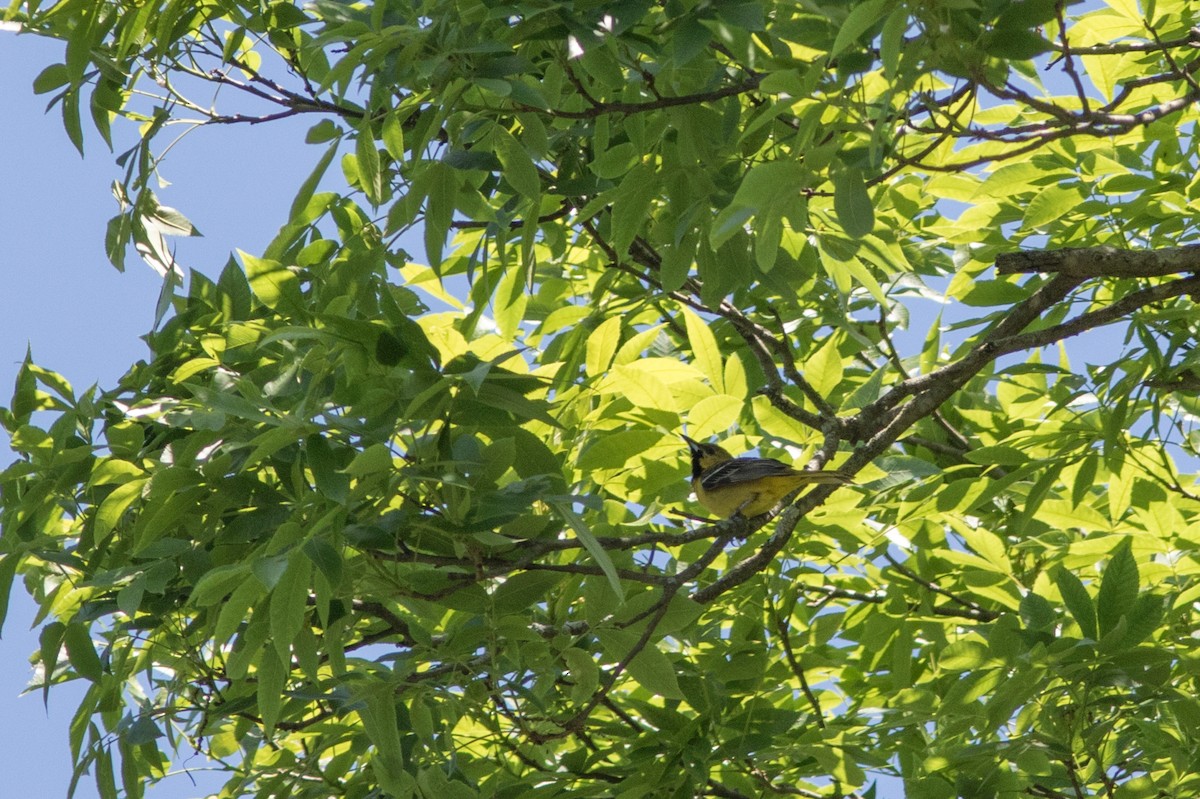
(726, 485)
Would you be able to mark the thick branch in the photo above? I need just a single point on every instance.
(1101, 262)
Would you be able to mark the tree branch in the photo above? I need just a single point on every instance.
(1093, 262)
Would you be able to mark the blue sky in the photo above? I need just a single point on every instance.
(83, 319)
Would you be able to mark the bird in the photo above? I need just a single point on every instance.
(727, 486)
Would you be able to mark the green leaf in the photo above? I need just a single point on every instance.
(861, 18)
(1118, 587)
(631, 206)
(271, 677)
(510, 301)
(1077, 600)
(439, 209)
(852, 203)
(326, 468)
(393, 136)
(218, 584)
(8, 568)
(114, 506)
(987, 293)
(1145, 617)
(234, 610)
(370, 177)
(522, 591)
(378, 714)
(372, 460)
(289, 604)
(615, 450)
(729, 222)
(964, 656)
(49, 645)
(81, 652)
(1015, 43)
(892, 40)
(274, 284)
(305, 193)
(1051, 203)
(616, 161)
(584, 672)
(584, 534)
(70, 116)
(766, 182)
(999, 455)
(51, 78)
(650, 667)
(518, 167)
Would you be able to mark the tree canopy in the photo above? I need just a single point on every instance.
(369, 522)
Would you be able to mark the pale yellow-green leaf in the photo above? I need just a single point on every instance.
(224, 743)
(777, 424)
(641, 386)
(632, 349)
(1120, 492)
(859, 271)
(958, 186)
(562, 318)
(602, 346)
(1019, 176)
(670, 370)
(960, 285)
(1131, 10)
(510, 301)
(705, 352)
(985, 544)
(417, 276)
(1161, 518)
(735, 376)
(1107, 25)
(823, 369)
(713, 415)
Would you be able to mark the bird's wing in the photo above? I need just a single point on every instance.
(743, 470)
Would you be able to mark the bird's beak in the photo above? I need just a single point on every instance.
(692, 445)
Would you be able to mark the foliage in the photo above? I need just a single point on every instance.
(369, 523)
